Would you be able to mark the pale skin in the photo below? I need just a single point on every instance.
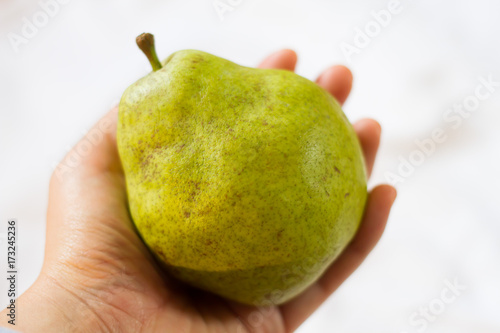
(98, 276)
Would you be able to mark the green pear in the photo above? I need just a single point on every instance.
(243, 182)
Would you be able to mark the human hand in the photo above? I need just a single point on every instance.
(99, 276)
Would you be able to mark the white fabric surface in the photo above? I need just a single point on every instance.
(445, 224)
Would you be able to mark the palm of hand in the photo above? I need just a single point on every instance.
(95, 259)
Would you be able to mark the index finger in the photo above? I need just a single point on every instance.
(284, 59)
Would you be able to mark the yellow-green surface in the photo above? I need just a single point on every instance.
(239, 178)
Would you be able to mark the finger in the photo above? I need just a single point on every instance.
(284, 59)
(337, 80)
(368, 131)
(371, 228)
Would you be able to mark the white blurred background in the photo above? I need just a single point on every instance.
(57, 81)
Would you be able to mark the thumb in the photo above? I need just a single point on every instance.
(87, 215)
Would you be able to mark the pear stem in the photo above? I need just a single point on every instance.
(146, 43)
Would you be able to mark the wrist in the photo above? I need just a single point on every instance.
(49, 306)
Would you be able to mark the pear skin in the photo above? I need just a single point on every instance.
(243, 182)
